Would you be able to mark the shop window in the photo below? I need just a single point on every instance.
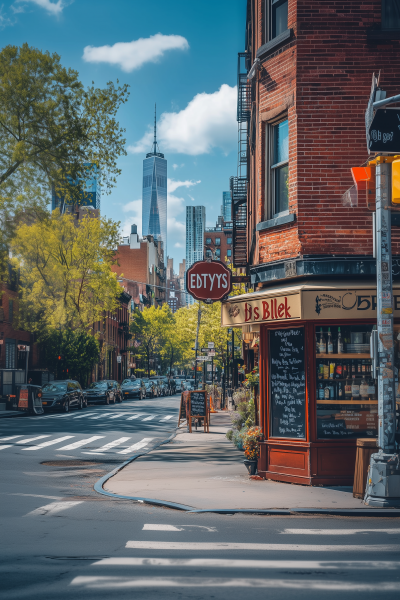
(347, 401)
(391, 14)
(277, 169)
(275, 18)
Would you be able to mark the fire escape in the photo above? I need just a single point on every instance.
(238, 184)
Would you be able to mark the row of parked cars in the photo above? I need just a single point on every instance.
(66, 394)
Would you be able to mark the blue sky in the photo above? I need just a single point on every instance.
(180, 54)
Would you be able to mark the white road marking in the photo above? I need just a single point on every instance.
(101, 415)
(110, 445)
(85, 415)
(167, 418)
(135, 416)
(37, 496)
(10, 437)
(337, 531)
(81, 443)
(3, 447)
(156, 527)
(38, 437)
(142, 545)
(218, 563)
(200, 582)
(50, 443)
(119, 415)
(52, 509)
(149, 418)
(136, 446)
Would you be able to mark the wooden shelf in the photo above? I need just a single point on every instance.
(347, 401)
(343, 356)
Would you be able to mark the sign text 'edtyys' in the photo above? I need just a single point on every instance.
(207, 281)
(270, 310)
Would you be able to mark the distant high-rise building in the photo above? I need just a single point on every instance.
(227, 206)
(89, 196)
(154, 196)
(195, 224)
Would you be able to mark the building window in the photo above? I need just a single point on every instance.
(208, 240)
(229, 240)
(217, 252)
(217, 241)
(390, 14)
(10, 353)
(275, 18)
(208, 253)
(229, 252)
(277, 169)
(11, 310)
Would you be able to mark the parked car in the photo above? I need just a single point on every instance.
(99, 391)
(63, 395)
(133, 389)
(179, 385)
(171, 383)
(159, 386)
(114, 385)
(151, 389)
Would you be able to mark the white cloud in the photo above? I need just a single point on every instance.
(207, 122)
(54, 8)
(174, 184)
(132, 55)
(135, 217)
(178, 245)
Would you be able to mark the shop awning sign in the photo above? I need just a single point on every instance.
(208, 280)
(384, 133)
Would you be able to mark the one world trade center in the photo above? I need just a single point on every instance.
(154, 195)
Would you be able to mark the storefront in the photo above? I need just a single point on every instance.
(317, 394)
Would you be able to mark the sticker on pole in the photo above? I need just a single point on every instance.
(208, 281)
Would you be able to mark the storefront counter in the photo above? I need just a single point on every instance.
(317, 394)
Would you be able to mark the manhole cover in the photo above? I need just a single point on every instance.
(69, 463)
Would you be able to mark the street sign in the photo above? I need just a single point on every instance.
(209, 281)
(203, 358)
(22, 348)
(210, 344)
(384, 133)
(204, 349)
(119, 358)
(211, 353)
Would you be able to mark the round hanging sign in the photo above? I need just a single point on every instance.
(208, 281)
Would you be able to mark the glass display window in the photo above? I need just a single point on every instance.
(346, 392)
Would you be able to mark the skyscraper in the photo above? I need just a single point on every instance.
(154, 196)
(195, 224)
(227, 206)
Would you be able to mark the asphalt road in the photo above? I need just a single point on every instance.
(60, 539)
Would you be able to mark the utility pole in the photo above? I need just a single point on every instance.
(383, 483)
(196, 344)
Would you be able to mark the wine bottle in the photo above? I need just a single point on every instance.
(364, 389)
(355, 388)
(320, 391)
(330, 342)
(340, 391)
(347, 389)
(322, 343)
(340, 345)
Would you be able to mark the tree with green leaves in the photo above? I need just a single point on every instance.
(52, 131)
(70, 354)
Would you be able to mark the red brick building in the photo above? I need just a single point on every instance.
(304, 81)
(218, 241)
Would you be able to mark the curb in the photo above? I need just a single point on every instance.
(338, 512)
(14, 414)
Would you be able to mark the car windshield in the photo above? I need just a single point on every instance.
(97, 384)
(54, 387)
(130, 383)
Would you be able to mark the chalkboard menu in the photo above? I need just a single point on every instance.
(287, 383)
(198, 403)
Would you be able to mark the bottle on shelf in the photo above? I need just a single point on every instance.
(353, 367)
(364, 388)
(326, 370)
(331, 391)
(359, 368)
(340, 391)
(320, 391)
(330, 342)
(355, 388)
(339, 371)
(322, 342)
(345, 370)
(326, 392)
(347, 389)
(371, 389)
(331, 370)
(340, 343)
(321, 370)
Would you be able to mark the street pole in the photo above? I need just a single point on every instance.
(196, 344)
(383, 482)
(26, 363)
(233, 359)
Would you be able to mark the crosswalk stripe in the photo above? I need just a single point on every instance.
(149, 418)
(10, 437)
(135, 416)
(142, 545)
(119, 415)
(3, 447)
(110, 445)
(229, 563)
(337, 531)
(118, 582)
(136, 446)
(84, 415)
(167, 418)
(160, 527)
(38, 437)
(50, 443)
(102, 415)
(52, 508)
(81, 443)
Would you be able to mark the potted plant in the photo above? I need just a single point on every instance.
(251, 446)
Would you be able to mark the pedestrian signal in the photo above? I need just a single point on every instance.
(396, 181)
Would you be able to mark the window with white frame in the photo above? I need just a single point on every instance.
(275, 18)
(277, 169)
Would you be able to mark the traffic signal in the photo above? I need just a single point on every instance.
(396, 181)
(60, 357)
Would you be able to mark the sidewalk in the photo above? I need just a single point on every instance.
(205, 471)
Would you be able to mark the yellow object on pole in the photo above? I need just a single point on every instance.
(396, 181)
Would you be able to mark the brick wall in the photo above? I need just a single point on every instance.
(323, 79)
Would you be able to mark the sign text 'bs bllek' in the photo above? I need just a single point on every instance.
(384, 133)
(208, 280)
